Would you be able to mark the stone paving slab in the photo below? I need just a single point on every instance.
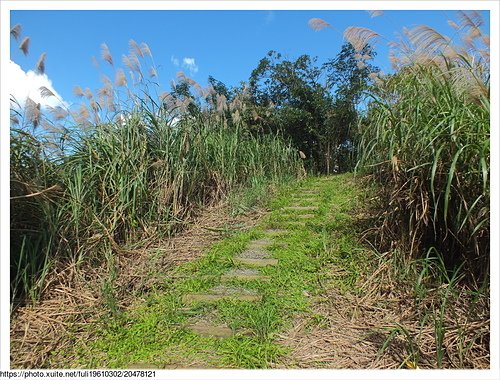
(244, 274)
(260, 243)
(300, 208)
(254, 253)
(210, 297)
(295, 223)
(275, 231)
(245, 277)
(255, 262)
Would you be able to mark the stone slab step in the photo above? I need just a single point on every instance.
(255, 262)
(244, 277)
(296, 223)
(210, 297)
(210, 330)
(275, 231)
(260, 243)
(300, 208)
(255, 253)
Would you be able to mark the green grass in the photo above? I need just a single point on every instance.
(426, 139)
(152, 330)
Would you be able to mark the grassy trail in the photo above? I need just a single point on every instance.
(228, 309)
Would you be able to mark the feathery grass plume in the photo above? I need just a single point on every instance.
(106, 54)
(82, 116)
(58, 112)
(181, 76)
(88, 93)
(470, 19)
(221, 103)
(135, 48)
(453, 24)
(33, 113)
(77, 91)
(152, 72)
(106, 81)
(16, 31)
(24, 46)
(131, 61)
(106, 96)
(40, 65)
(375, 13)
(94, 106)
(359, 36)
(120, 78)
(45, 92)
(318, 24)
(427, 40)
(145, 49)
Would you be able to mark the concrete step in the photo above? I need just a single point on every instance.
(300, 208)
(275, 231)
(255, 262)
(245, 274)
(210, 330)
(220, 292)
(260, 243)
(255, 253)
(244, 277)
(210, 297)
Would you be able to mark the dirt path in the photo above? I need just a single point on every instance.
(280, 295)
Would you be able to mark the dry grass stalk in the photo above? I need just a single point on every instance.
(45, 92)
(88, 93)
(131, 61)
(359, 37)
(318, 24)
(77, 91)
(58, 113)
(33, 113)
(375, 13)
(135, 48)
(106, 54)
(120, 78)
(427, 40)
(145, 49)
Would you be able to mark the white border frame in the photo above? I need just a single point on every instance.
(493, 6)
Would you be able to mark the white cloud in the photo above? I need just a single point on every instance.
(174, 60)
(27, 84)
(190, 64)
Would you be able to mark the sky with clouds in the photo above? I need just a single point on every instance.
(224, 44)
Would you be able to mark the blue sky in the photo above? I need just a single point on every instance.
(225, 44)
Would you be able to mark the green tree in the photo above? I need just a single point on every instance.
(347, 77)
(300, 104)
